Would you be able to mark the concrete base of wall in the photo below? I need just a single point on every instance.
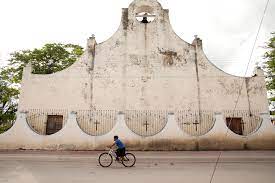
(71, 137)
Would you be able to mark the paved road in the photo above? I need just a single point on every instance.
(166, 167)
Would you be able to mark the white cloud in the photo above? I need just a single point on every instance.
(228, 28)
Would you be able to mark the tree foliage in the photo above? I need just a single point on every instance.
(8, 101)
(46, 60)
(270, 66)
(49, 59)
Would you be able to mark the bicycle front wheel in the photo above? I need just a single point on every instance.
(129, 160)
(105, 160)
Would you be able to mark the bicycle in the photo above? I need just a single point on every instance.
(106, 159)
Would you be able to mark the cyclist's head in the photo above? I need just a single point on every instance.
(115, 137)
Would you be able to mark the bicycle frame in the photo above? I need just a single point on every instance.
(112, 153)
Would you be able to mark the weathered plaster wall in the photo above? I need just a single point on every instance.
(71, 137)
(67, 89)
(145, 66)
(219, 91)
(141, 67)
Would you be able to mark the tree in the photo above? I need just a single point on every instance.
(270, 67)
(8, 104)
(46, 60)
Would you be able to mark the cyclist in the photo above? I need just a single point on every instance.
(120, 152)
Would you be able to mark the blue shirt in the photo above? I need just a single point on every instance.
(119, 144)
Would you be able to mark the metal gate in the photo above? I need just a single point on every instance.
(37, 119)
(146, 123)
(251, 121)
(96, 122)
(195, 123)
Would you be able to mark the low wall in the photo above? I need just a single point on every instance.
(172, 137)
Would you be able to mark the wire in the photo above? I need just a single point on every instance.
(215, 168)
(250, 58)
(243, 81)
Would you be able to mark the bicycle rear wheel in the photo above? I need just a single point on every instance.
(129, 160)
(105, 160)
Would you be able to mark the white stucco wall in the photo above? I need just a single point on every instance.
(71, 137)
(141, 67)
(67, 89)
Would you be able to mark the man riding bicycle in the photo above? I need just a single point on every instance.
(120, 152)
(127, 159)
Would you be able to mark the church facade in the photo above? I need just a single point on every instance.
(148, 86)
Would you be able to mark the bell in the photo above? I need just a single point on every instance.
(144, 20)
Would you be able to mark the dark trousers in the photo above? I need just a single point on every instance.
(120, 152)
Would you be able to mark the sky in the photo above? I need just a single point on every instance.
(228, 28)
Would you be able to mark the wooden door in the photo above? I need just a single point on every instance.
(235, 124)
(54, 124)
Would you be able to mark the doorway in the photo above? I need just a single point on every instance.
(235, 125)
(54, 124)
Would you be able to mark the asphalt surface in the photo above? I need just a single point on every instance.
(166, 167)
